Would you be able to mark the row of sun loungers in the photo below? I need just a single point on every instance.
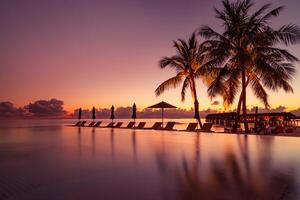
(141, 125)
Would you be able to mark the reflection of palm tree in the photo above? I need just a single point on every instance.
(230, 177)
(247, 50)
(243, 141)
(187, 64)
(227, 180)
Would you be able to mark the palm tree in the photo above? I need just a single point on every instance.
(188, 65)
(247, 53)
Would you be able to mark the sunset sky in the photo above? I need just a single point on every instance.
(99, 53)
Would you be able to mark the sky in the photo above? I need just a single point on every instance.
(98, 53)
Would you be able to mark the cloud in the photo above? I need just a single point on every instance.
(8, 110)
(264, 110)
(46, 108)
(296, 112)
(215, 103)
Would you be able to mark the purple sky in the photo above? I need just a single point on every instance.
(98, 53)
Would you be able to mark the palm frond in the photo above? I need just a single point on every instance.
(260, 11)
(273, 13)
(288, 34)
(259, 90)
(173, 62)
(209, 33)
(170, 83)
(186, 83)
(217, 86)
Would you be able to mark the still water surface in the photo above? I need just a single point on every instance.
(47, 160)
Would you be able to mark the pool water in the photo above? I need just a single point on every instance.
(60, 162)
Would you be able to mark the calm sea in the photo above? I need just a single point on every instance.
(44, 159)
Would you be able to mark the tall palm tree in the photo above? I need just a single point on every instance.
(247, 53)
(188, 65)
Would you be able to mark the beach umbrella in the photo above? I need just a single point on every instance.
(79, 114)
(112, 114)
(133, 116)
(94, 113)
(162, 105)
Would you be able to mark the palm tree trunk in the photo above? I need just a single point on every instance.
(197, 115)
(244, 86)
(196, 103)
(238, 110)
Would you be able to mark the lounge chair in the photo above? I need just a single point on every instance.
(91, 124)
(110, 125)
(156, 126)
(231, 130)
(228, 129)
(141, 125)
(97, 124)
(271, 130)
(279, 130)
(78, 123)
(206, 127)
(118, 125)
(289, 129)
(169, 126)
(191, 127)
(83, 123)
(130, 125)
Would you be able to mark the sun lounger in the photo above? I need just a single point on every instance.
(156, 126)
(118, 125)
(78, 123)
(206, 127)
(289, 129)
(231, 130)
(279, 130)
(191, 127)
(83, 123)
(141, 125)
(110, 125)
(91, 124)
(130, 125)
(271, 130)
(97, 124)
(228, 129)
(169, 126)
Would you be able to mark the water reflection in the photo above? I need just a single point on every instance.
(134, 145)
(112, 142)
(232, 176)
(93, 142)
(86, 163)
(79, 141)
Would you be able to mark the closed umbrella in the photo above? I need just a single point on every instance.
(94, 113)
(79, 114)
(112, 113)
(133, 112)
(162, 105)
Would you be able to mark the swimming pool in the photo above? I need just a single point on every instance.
(60, 162)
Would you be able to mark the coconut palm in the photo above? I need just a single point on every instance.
(247, 53)
(188, 65)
